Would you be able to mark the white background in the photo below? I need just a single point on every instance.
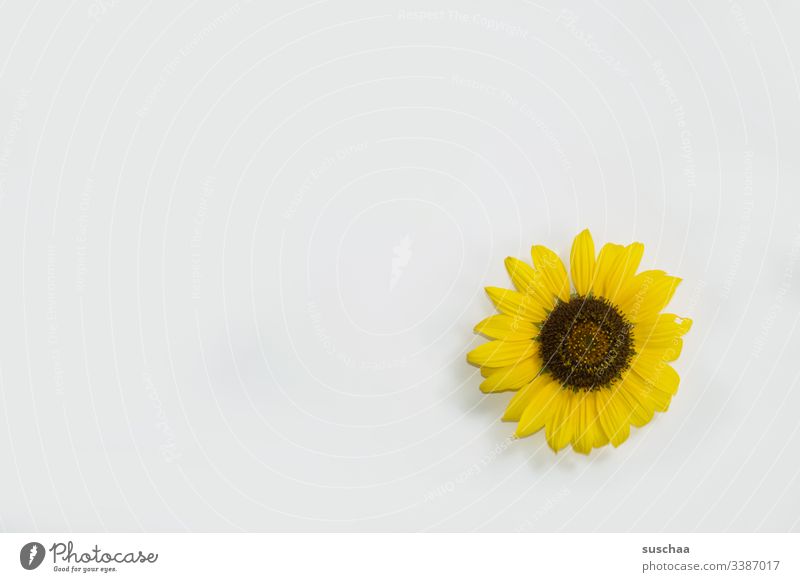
(243, 249)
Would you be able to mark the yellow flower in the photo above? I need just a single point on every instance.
(589, 361)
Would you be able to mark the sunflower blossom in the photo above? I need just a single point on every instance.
(587, 360)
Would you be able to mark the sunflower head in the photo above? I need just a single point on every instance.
(586, 360)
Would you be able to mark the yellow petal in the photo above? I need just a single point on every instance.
(507, 328)
(529, 282)
(623, 270)
(655, 354)
(513, 377)
(647, 294)
(633, 291)
(499, 353)
(522, 398)
(604, 268)
(614, 420)
(668, 354)
(516, 304)
(657, 399)
(553, 272)
(582, 440)
(661, 331)
(582, 262)
(536, 409)
(561, 426)
(596, 435)
(656, 374)
(641, 410)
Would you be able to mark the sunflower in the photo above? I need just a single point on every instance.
(587, 361)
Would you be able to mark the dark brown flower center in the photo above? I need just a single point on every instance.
(586, 343)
